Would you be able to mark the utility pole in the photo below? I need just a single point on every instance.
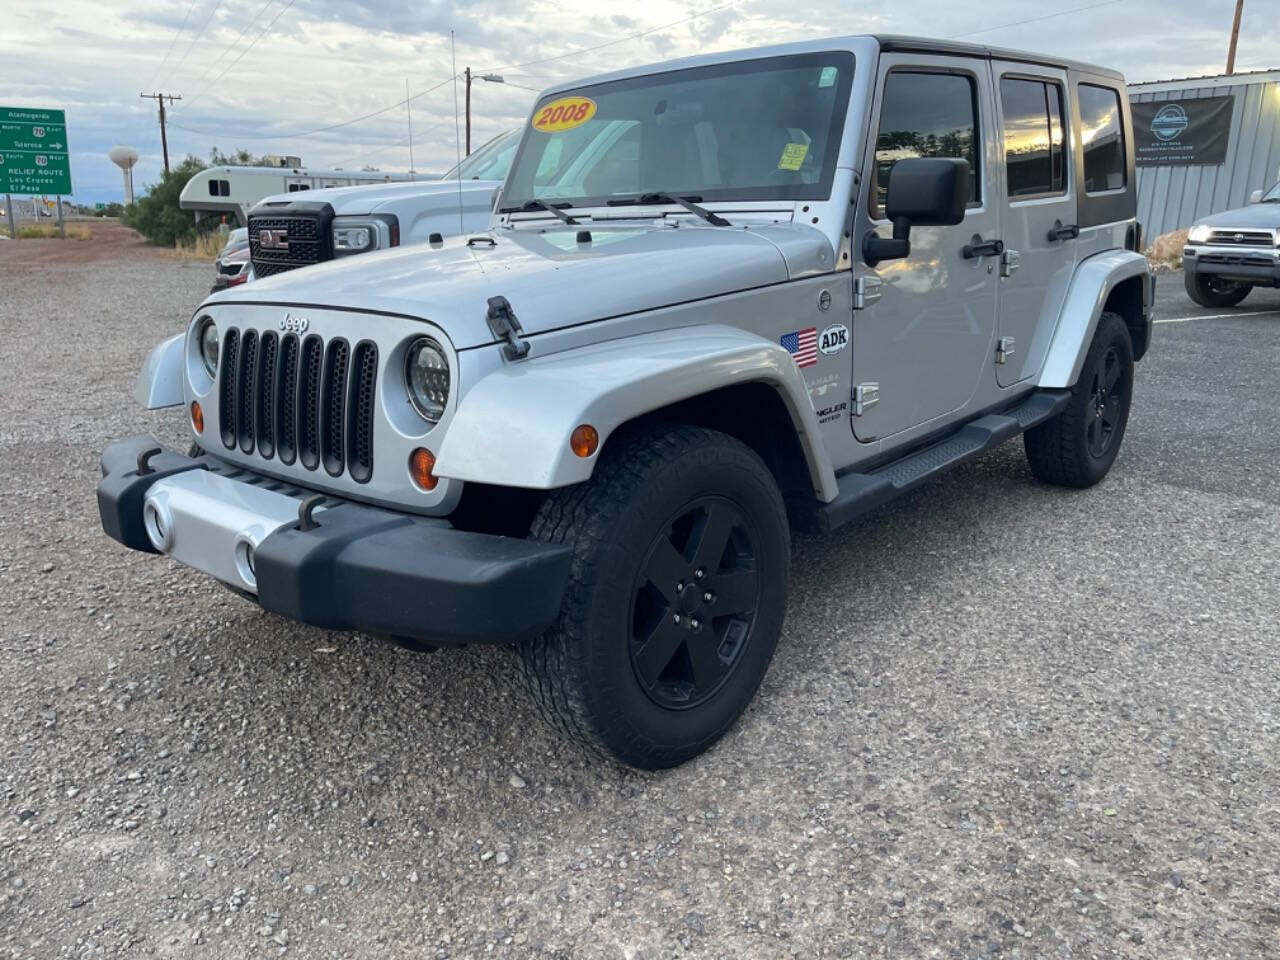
(1235, 36)
(160, 98)
(408, 110)
(469, 76)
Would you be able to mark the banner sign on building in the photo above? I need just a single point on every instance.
(1182, 133)
(34, 157)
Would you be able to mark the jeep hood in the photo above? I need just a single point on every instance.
(1263, 215)
(549, 278)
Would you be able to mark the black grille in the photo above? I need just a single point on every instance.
(263, 416)
(1243, 238)
(305, 401)
(287, 400)
(364, 377)
(306, 236)
(227, 387)
(309, 403)
(335, 405)
(245, 373)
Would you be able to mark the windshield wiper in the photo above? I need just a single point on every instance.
(689, 203)
(535, 204)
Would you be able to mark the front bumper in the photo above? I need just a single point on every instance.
(358, 568)
(1254, 265)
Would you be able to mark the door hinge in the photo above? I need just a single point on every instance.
(1004, 349)
(866, 291)
(865, 395)
(1010, 260)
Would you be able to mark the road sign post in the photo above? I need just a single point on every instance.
(8, 214)
(62, 227)
(34, 157)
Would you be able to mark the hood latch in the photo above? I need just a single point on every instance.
(502, 321)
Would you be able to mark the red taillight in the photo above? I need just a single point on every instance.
(395, 233)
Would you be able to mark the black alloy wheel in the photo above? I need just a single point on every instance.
(694, 604)
(1107, 393)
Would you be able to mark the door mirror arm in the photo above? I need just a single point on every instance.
(876, 248)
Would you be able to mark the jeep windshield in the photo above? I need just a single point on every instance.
(764, 129)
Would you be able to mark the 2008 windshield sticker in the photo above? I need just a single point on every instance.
(564, 114)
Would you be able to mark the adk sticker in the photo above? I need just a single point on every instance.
(833, 339)
(564, 114)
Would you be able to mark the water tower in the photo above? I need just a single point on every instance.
(125, 158)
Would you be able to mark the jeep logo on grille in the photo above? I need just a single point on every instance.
(273, 239)
(291, 324)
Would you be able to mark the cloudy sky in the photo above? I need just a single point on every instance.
(268, 75)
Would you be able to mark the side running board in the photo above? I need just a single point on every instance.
(863, 492)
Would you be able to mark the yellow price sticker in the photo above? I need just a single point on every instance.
(793, 155)
(564, 114)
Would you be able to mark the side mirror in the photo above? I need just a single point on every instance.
(1255, 197)
(923, 192)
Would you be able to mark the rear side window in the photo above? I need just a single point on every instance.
(1034, 155)
(1102, 137)
(926, 115)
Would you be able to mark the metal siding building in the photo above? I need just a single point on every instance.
(1173, 197)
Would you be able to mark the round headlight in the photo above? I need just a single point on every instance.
(426, 378)
(209, 347)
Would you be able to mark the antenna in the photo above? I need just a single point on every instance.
(408, 109)
(457, 147)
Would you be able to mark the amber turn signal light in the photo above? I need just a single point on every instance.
(197, 416)
(584, 440)
(421, 462)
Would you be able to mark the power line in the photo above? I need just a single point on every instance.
(252, 22)
(203, 27)
(401, 103)
(611, 43)
(308, 133)
(1047, 16)
(231, 65)
(172, 40)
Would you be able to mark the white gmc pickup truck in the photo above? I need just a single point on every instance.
(293, 230)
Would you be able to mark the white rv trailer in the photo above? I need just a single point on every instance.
(233, 190)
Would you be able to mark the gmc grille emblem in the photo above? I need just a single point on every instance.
(273, 239)
(291, 324)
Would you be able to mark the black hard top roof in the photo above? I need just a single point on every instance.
(891, 43)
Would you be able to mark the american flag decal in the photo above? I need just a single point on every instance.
(803, 345)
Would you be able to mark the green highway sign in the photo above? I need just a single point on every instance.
(34, 157)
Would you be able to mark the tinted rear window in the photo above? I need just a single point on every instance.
(1102, 136)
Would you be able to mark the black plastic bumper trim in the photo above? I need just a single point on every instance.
(371, 570)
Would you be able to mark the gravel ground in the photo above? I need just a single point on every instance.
(1004, 719)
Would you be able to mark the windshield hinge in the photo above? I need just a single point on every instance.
(502, 321)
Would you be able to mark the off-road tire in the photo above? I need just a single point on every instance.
(582, 673)
(1061, 450)
(1208, 292)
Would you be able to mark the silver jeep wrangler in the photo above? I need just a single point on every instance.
(719, 299)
